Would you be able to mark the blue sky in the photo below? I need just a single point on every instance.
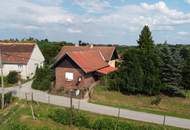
(96, 21)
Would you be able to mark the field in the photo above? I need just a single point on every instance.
(173, 106)
(20, 112)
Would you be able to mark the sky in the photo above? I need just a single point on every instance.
(96, 21)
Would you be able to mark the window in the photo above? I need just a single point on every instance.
(20, 66)
(68, 76)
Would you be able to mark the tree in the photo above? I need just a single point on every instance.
(12, 77)
(49, 50)
(145, 39)
(170, 69)
(42, 79)
(186, 75)
(131, 71)
(150, 65)
(184, 53)
(139, 72)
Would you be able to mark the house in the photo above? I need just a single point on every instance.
(80, 66)
(21, 57)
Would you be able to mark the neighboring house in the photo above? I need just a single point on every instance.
(80, 66)
(22, 58)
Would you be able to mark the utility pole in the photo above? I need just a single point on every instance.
(2, 81)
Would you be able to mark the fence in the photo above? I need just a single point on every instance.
(43, 97)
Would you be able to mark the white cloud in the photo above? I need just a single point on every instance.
(187, 1)
(93, 6)
(72, 30)
(50, 18)
(162, 7)
(183, 33)
(25, 11)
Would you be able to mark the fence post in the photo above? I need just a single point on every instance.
(32, 98)
(26, 97)
(48, 99)
(118, 115)
(164, 121)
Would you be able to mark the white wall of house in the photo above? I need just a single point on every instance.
(28, 70)
(37, 59)
(112, 63)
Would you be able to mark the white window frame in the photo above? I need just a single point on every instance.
(69, 76)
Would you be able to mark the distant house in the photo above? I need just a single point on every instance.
(80, 66)
(21, 57)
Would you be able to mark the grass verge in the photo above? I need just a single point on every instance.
(171, 106)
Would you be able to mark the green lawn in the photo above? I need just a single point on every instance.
(20, 112)
(173, 106)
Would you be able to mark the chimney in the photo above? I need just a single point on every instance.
(91, 45)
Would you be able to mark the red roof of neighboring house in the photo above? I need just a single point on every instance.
(106, 51)
(107, 70)
(16, 53)
(88, 60)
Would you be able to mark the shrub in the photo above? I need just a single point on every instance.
(156, 101)
(12, 77)
(104, 124)
(7, 98)
(81, 120)
(173, 91)
(42, 80)
(112, 124)
(63, 116)
(41, 85)
(17, 126)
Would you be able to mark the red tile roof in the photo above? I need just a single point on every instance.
(107, 70)
(89, 60)
(16, 53)
(106, 51)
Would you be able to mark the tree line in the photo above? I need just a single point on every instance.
(152, 69)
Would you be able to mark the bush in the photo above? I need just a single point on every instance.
(7, 98)
(113, 124)
(156, 101)
(41, 85)
(173, 91)
(17, 126)
(63, 116)
(42, 80)
(104, 124)
(12, 77)
(13, 125)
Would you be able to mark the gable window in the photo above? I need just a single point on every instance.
(68, 76)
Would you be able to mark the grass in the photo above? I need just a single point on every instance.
(171, 106)
(20, 112)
